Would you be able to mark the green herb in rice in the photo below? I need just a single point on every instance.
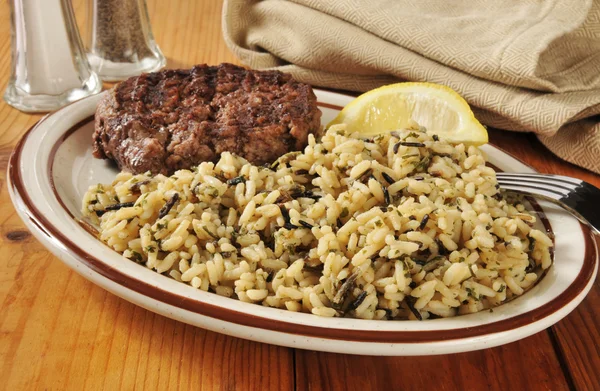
(330, 243)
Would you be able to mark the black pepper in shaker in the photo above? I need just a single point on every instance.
(120, 42)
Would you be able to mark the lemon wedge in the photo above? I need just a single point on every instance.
(441, 110)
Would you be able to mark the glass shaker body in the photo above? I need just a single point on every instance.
(49, 68)
(120, 43)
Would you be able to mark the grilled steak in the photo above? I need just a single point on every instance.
(175, 119)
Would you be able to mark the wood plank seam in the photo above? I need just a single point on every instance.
(561, 358)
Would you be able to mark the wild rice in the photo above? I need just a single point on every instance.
(375, 229)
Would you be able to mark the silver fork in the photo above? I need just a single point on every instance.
(576, 196)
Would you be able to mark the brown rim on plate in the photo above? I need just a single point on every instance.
(45, 226)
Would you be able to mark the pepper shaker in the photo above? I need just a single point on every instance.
(49, 68)
(120, 41)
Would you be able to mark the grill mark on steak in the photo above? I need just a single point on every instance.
(174, 119)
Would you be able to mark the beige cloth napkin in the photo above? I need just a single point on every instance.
(524, 65)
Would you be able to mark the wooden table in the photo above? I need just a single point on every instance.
(59, 331)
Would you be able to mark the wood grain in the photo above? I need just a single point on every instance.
(529, 364)
(59, 331)
(578, 337)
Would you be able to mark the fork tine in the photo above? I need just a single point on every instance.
(555, 178)
(531, 189)
(529, 182)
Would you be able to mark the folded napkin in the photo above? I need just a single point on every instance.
(523, 65)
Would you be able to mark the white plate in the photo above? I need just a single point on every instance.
(52, 167)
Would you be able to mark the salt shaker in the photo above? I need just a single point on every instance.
(120, 42)
(49, 68)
